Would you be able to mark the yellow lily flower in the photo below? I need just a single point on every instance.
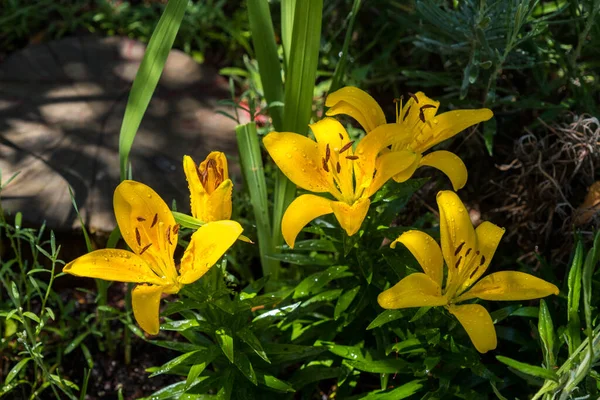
(418, 117)
(148, 227)
(468, 253)
(210, 187)
(331, 165)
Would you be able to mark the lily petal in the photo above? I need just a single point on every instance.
(215, 175)
(196, 188)
(352, 216)
(408, 172)
(488, 238)
(113, 265)
(456, 234)
(207, 245)
(300, 212)
(217, 206)
(389, 165)
(142, 214)
(452, 122)
(145, 301)
(328, 131)
(299, 159)
(478, 324)
(450, 164)
(358, 104)
(426, 251)
(510, 285)
(415, 290)
(371, 145)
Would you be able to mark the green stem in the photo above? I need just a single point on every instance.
(254, 175)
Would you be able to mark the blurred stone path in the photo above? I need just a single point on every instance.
(61, 107)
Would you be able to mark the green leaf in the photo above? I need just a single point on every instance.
(546, 331)
(344, 301)
(168, 366)
(313, 373)
(385, 317)
(31, 316)
(201, 360)
(75, 342)
(315, 245)
(390, 366)
(573, 299)
(14, 371)
(245, 366)
(402, 392)
(315, 282)
(225, 340)
(254, 175)
(340, 68)
(15, 293)
(148, 75)
(349, 352)
(589, 266)
(529, 369)
(273, 383)
(263, 40)
(251, 340)
(284, 353)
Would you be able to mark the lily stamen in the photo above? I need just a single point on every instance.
(346, 146)
(352, 158)
(406, 115)
(154, 221)
(145, 248)
(138, 238)
(414, 97)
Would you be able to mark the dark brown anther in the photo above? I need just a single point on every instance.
(421, 114)
(459, 248)
(352, 158)
(399, 99)
(406, 115)
(473, 273)
(327, 153)
(338, 167)
(346, 146)
(141, 219)
(458, 262)
(145, 248)
(325, 166)
(482, 260)
(204, 176)
(176, 229)
(414, 97)
(468, 251)
(341, 136)
(168, 233)
(477, 252)
(138, 238)
(154, 221)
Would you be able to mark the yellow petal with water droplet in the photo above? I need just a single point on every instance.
(456, 233)
(299, 159)
(388, 165)
(510, 285)
(426, 251)
(300, 212)
(352, 216)
(113, 265)
(145, 302)
(207, 246)
(450, 164)
(358, 104)
(415, 290)
(478, 324)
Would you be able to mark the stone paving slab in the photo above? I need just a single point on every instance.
(61, 107)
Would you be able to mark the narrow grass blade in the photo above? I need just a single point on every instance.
(573, 300)
(288, 9)
(299, 88)
(529, 369)
(254, 175)
(340, 68)
(148, 75)
(263, 39)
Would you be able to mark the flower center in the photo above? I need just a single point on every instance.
(338, 163)
(416, 122)
(154, 241)
(465, 268)
(211, 175)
